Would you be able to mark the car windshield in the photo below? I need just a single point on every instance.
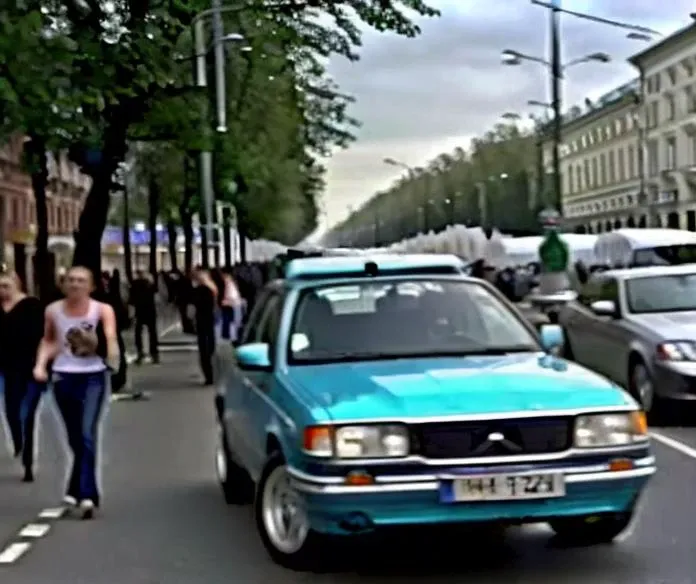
(661, 293)
(383, 320)
(667, 255)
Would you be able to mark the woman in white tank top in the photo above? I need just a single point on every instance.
(79, 377)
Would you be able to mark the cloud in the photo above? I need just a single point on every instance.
(419, 97)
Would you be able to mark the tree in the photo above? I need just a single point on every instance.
(39, 102)
(123, 69)
(488, 184)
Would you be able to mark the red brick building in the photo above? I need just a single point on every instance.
(65, 194)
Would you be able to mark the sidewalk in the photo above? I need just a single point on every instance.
(21, 504)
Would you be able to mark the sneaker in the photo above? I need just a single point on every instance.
(28, 475)
(87, 508)
(69, 501)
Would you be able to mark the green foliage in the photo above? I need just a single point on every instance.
(99, 74)
(489, 185)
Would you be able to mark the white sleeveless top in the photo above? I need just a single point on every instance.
(66, 361)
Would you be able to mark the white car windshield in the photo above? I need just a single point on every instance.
(383, 320)
(661, 293)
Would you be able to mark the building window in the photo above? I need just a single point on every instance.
(569, 180)
(657, 83)
(603, 169)
(612, 167)
(672, 74)
(690, 99)
(692, 148)
(586, 172)
(671, 153)
(595, 172)
(652, 155)
(621, 164)
(631, 155)
(669, 104)
(578, 178)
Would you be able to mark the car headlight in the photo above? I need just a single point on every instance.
(676, 351)
(606, 430)
(364, 441)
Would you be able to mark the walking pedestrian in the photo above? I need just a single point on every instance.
(232, 308)
(21, 329)
(205, 295)
(71, 340)
(142, 298)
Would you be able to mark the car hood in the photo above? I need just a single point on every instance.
(676, 326)
(453, 386)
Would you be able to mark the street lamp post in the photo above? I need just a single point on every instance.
(556, 70)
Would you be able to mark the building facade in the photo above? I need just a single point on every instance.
(629, 159)
(600, 163)
(668, 73)
(67, 188)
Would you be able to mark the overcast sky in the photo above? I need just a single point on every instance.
(417, 98)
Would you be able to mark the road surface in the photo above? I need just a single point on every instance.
(164, 520)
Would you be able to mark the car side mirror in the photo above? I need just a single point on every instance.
(254, 357)
(551, 337)
(604, 308)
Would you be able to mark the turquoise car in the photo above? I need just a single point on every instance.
(396, 391)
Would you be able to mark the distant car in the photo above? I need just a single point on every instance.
(638, 327)
(397, 391)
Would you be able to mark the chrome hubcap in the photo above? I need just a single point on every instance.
(284, 516)
(220, 459)
(644, 387)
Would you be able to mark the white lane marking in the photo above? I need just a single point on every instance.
(52, 513)
(13, 552)
(34, 530)
(674, 444)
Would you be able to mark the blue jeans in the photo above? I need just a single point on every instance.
(22, 397)
(80, 398)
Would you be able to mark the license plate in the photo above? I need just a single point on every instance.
(508, 487)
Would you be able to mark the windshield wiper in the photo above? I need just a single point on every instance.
(375, 356)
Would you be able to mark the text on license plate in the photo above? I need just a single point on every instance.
(506, 487)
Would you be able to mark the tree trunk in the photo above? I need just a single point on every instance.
(96, 210)
(171, 244)
(153, 202)
(127, 248)
(186, 216)
(35, 151)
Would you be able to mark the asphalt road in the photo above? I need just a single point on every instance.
(164, 520)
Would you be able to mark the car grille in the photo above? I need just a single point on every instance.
(493, 437)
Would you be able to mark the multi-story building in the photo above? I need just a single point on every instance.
(65, 195)
(600, 163)
(668, 74)
(629, 159)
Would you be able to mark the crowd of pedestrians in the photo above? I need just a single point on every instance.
(73, 345)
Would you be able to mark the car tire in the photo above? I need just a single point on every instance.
(592, 530)
(274, 498)
(237, 486)
(642, 388)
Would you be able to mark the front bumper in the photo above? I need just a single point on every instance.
(675, 380)
(335, 507)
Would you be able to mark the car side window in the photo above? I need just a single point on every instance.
(250, 332)
(270, 321)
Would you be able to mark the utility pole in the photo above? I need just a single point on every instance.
(205, 157)
(556, 105)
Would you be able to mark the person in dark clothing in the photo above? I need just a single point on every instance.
(109, 292)
(184, 298)
(142, 298)
(205, 299)
(21, 329)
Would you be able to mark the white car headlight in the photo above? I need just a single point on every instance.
(606, 430)
(379, 441)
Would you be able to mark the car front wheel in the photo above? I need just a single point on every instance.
(281, 520)
(592, 530)
(237, 487)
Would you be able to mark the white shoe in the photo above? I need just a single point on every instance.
(87, 508)
(69, 501)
